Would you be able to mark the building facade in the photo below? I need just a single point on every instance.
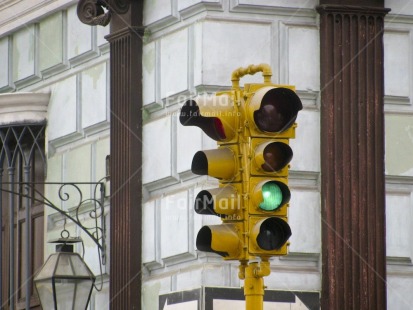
(191, 47)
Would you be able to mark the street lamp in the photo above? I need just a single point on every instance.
(64, 281)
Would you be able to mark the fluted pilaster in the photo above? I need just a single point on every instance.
(352, 157)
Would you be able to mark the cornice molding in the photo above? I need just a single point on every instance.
(23, 108)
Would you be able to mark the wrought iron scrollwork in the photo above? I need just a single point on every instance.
(78, 209)
(99, 12)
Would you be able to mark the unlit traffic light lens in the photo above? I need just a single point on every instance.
(276, 156)
(274, 233)
(272, 196)
(278, 110)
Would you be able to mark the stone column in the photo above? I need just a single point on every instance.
(352, 155)
(126, 158)
(125, 40)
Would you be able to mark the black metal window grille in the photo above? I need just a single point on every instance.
(22, 159)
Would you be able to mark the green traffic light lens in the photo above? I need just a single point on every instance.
(272, 196)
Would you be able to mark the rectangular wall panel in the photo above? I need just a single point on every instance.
(51, 42)
(25, 55)
(174, 225)
(174, 63)
(399, 211)
(397, 63)
(157, 150)
(94, 95)
(303, 57)
(63, 108)
(227, 46)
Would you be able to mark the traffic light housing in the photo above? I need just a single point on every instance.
(271, 111)
(219, 117)
(252, 127)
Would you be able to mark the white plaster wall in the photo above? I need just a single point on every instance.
(157, 150)
(63, 98)
(396, 62)
(398, 149)
(94, 99)
(174, 63)
(224, 49)
(4, 62)
(25, 54)
(51, 39)
(399, 7)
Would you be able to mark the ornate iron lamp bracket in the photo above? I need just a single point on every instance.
(78, 209)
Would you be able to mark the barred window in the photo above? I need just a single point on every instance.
(22, 160)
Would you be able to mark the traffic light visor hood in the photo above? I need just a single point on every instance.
(219, 163)
(220, 239)
(220, 201)
(215, 115)
(274, 110)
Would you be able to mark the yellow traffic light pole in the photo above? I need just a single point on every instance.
(253, 274)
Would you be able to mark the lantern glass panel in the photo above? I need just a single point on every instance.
(45, 292)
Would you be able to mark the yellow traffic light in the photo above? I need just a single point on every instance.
(219, 117)
(252, 127)
(271, 112)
